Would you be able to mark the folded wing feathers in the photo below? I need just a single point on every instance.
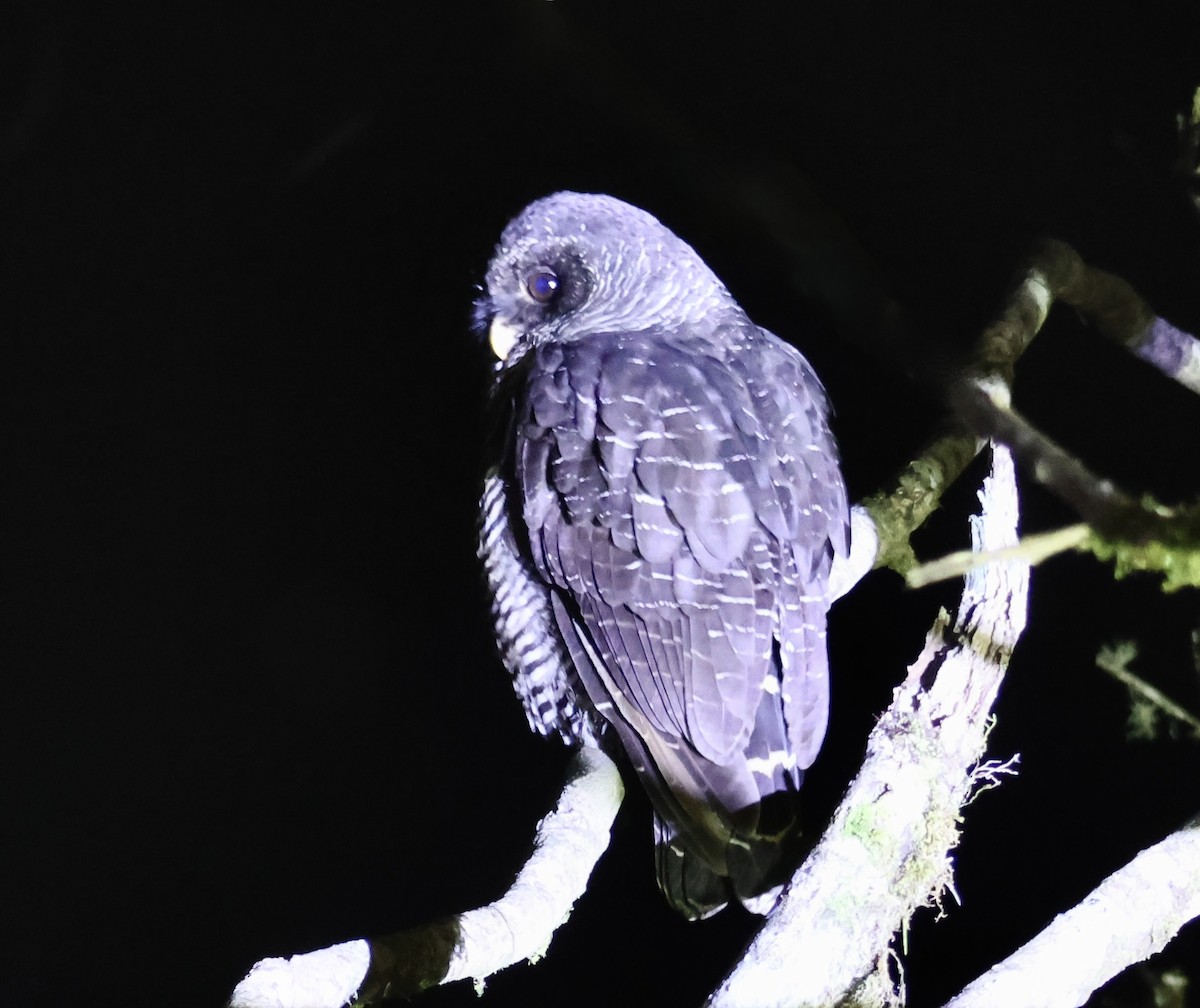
(691, 507)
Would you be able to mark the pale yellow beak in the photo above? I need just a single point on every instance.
(502, 338)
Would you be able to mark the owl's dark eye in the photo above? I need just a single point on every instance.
(542, 285)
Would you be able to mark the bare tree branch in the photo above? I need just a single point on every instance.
(898, 513)
(887, 850)
(1119, 313)
(1129, 917)
(1095, 500)
(1174, 352)
(471, 945)
(1132, 534)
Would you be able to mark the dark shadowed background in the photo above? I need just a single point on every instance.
(250, 705)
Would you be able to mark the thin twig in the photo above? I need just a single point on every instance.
(1115, 661)
(1032, 549)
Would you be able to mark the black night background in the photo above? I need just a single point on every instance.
(250, 702)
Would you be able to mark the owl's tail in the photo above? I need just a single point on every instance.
(757, 865)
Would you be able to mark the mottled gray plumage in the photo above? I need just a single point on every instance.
(658, 531)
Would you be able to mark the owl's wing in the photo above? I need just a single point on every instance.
(686, 508)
